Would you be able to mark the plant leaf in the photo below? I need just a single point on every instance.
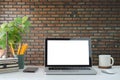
(3, 42)
(24, 19)
(2, 34)
(18, 21)
(10, 24)
(3, 25)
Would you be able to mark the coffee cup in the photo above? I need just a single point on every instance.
(105, 61)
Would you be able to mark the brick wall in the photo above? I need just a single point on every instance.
(97, 19)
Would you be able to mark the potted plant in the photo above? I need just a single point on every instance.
(11, 32)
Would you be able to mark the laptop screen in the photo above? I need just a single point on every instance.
(67, 52)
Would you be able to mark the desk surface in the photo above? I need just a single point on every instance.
(40, 75)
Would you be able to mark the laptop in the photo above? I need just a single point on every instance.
(64, 56)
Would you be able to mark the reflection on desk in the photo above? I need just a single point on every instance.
(40, 75)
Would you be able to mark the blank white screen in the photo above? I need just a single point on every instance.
(68, 52)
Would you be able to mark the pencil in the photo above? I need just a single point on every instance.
(23, 49)
(12, 49)
(19, 48)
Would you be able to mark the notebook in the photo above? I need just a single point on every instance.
(68, 56)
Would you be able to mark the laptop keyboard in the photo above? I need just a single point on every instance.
(69, 68)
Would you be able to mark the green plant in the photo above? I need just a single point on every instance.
(13, 30)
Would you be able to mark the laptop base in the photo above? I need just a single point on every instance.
(71, 72)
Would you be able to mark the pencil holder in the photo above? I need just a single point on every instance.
(21, 61)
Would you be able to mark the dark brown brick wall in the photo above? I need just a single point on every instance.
(97, 19)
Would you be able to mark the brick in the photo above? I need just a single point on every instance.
(84, 19)
(1, 19)
(21, 9)
(8, 0)
(42, 6)
(102, 18)
(4, 15)
(25, 6)
(67, 24)
(17, 0)
(51, 13)
(68, 18)
(16, 13)
(93, 18)
(76, 25)
(51, 25)
(25, 0)
(9, 19)
(12, 3)
(8, 12)
(34, 19)
(16, 6)
(112, 19)
(50, 18)
(20, 3)
(59, 25)
(42, 18)
(8, 6)
(42, 13)
(26, 13)
(12, 9)
(84, 25)
(3, 3)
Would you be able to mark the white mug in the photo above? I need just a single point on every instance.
(105, 61)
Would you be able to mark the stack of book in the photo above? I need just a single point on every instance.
(8, 65)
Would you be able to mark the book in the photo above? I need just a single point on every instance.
(8, 60)
(12, 65)
(9, 65)
(7, 70)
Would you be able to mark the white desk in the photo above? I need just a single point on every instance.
(40, 75)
